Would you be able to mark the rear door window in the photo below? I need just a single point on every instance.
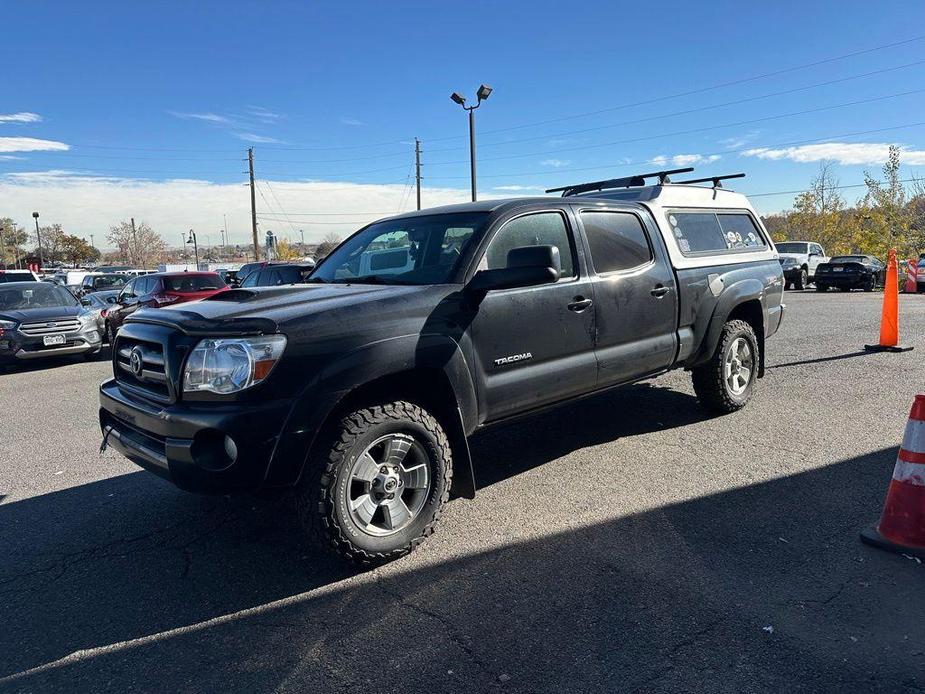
(617, 241)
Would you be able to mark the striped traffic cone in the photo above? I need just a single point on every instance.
(902, 525)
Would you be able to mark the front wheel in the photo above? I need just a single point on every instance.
(376, 489)
(727, 381)
(802, 280)
(110, 334)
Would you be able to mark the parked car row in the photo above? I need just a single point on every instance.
(61, 317)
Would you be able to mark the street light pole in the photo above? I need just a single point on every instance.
(38, 236)
(192, 240)
(483, 92)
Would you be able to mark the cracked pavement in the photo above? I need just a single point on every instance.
(625, 542)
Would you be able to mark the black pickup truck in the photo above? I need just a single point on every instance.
(359, 389)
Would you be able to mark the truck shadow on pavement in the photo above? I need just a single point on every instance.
(759, 588)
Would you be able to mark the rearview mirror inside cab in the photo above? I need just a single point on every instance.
(526, 266)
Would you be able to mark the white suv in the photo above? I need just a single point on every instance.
(799, 260)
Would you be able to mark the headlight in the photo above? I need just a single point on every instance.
(788, 262)
(227, 365)
(87, 318)
(6, 326)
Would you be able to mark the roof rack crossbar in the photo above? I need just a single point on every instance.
(625, 182)
(714, 179)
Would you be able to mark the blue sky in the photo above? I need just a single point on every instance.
(147, 109)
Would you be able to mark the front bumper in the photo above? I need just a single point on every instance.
(187, 443)
(791, 273)
(14, 345)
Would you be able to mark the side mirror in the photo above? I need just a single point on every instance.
(526, 267)
(86, 302)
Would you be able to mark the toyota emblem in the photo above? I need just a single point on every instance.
(135, 362)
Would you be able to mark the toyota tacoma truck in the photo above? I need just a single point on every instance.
(359, 390)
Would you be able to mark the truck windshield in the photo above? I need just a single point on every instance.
(414, 250)
(791, 247)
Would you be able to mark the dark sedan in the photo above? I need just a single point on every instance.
(847, 272)
(40, 319)
(277, 274)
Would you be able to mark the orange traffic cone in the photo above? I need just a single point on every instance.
(902, 525)
(889, 322)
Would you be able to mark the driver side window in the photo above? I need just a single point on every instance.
(540, 229)
(128, 291)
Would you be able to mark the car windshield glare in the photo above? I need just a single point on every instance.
(38, 295)
(415, 250)
(840, 259)
(193, 283)
(791, 247)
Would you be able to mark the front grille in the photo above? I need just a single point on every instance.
(53, 327)
(152, 375)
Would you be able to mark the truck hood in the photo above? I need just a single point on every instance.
(33, 315)
(265, 309)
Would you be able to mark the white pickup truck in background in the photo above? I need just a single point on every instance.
(798, 260)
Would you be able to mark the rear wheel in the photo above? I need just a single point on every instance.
(727, 382)
(869, 284)
(378, 486)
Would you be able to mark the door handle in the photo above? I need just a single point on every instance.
(660, 291)
(579, 304)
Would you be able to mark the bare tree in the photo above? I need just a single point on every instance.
(328, 244)
(140, 246)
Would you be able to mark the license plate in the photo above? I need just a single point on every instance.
(838, 269)
(50, 340)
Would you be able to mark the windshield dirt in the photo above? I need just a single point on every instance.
(415, 250)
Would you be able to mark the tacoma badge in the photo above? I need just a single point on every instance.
(501, 361)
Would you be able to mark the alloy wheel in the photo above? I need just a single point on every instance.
(738, 366)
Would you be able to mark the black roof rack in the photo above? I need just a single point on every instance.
(714, 179)
(625, 182)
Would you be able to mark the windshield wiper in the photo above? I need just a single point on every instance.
(375, 279)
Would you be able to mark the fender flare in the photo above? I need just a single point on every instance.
(732, 296)
(364, 365)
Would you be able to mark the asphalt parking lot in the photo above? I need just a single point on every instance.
(626, 542)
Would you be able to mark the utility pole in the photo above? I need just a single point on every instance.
(144, 265)
(417, 167)
(250, 167)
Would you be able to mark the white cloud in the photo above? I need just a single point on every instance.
(351, 121)
(11, 157)
(85, 203)
(262, 114)
(207, 117)
(514, 188)
(848, 153)
(251, 137)
(684, 159)
(31, 144)
(21, 117)
(556, 163)
(738, 141)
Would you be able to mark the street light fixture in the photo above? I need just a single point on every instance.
(38, 236)
(192, 240)
(482, 94)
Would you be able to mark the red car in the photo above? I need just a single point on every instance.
(158, 290)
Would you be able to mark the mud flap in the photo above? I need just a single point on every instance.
(463, 473)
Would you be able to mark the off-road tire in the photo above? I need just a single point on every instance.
(709, 379)
(320, 497)
(802, 280)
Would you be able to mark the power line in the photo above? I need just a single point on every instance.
(795, 192)
(689, 131)
(666, 97)
(692, 92)
(689, 111)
